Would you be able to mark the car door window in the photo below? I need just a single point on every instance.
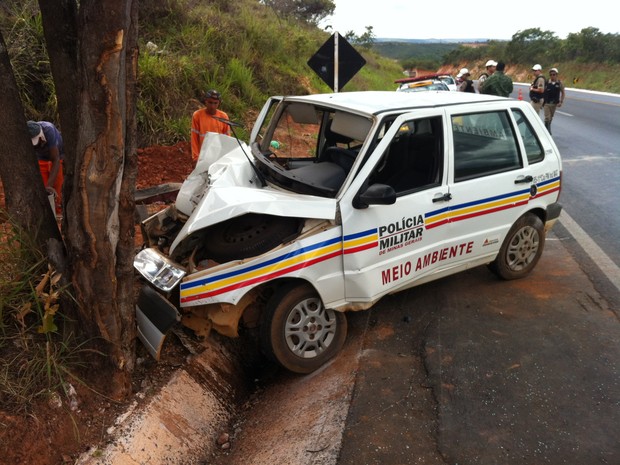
(414, 158)
(484, 143)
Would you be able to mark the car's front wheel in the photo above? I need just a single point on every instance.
(521, 249)
(298, 332)
(248, 235)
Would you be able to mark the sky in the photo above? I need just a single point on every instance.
(449, 19)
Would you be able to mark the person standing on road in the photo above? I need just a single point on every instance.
(554, 96)
(490, 66)
(498, 83)
(464, 82)
(537, 89)
(48, 145)
(204, 121)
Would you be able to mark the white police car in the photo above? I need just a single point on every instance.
(339, 200)
(412, 82)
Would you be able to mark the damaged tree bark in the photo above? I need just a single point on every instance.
(100, 235)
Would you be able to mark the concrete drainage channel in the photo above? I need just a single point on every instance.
(280, 418)
(182, 422)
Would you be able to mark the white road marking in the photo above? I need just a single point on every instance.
(605, 264)
(587, 159)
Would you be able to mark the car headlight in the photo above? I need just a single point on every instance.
(158, 270)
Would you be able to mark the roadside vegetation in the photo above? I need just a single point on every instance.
(245, 49)
(38, 354)
(250, 50)
(412, 55)
(588, 59)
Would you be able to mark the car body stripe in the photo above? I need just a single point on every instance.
(246, 274)
(312, 254)
(213, 278)
(361, 241)
(272, 274)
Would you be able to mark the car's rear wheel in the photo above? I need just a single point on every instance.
(298, 332)
(521, 249)
(248, 235)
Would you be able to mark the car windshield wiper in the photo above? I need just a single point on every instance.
(232, 126)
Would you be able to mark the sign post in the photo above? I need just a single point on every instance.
(336, 62)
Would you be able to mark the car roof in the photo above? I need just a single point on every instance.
(374, 102)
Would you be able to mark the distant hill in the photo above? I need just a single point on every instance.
(413, 49)
(432, 41)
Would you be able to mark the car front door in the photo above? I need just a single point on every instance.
(387, 247)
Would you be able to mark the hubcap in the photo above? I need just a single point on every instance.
(310, 328)
(523, 248)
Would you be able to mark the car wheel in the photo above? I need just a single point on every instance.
(248, 235)
(521, 249)
(298, 332)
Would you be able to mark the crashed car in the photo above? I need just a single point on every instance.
(341, 199)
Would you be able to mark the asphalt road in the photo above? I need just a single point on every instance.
(520, 372)
(586, 130)
(465, 370)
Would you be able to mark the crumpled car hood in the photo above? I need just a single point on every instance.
(235, 190)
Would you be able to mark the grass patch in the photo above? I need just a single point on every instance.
(38, 356)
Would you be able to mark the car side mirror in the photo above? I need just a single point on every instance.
(377, 194)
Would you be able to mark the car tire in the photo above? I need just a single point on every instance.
(521, 249)
(248, 235)
(298, 332)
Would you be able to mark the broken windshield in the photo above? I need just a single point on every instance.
(308, 149)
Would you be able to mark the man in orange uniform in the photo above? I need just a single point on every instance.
(203, 121)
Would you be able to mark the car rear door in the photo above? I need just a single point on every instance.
(488, 181)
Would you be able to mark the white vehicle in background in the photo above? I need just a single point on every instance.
(449, 81)
(445, 78)
(422, 86)
(339, 200)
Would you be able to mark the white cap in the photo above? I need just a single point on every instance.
(491, 63)
(38, 137)
(553, 70)
(462, 72)
(36, 132)
(537, 67)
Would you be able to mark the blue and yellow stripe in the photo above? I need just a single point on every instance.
(360, 241)
(259, 272)
(488, 205)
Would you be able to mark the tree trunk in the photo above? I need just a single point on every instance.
(93, 54)
(127, 205)
(59, 18)
(99, 204)
(25, 196)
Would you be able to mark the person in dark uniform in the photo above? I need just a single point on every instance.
(554, 96)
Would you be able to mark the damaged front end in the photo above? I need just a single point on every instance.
(222, 218)
(170, 231)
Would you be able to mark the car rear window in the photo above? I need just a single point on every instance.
(533, 148)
